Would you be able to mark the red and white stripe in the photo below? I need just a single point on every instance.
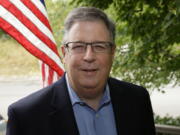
(27, 22)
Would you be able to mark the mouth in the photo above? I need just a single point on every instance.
(90, 71)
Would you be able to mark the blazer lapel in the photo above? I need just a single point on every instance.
(119, 107)
(62, 119)
(126, 107)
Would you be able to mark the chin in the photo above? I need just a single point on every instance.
(88, 85)
(89, 82)
(91, 94)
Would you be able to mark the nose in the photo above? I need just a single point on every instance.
(89, 55)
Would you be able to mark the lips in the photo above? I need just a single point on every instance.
(89, 70)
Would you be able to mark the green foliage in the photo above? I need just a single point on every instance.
(57, 11)
(148, 39)
(96, 3)
(167, 120)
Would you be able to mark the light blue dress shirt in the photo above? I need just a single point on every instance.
(90, 121)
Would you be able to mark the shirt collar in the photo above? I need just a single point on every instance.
(75, 99)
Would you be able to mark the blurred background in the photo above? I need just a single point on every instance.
(148, 53)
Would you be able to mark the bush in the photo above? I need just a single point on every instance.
(167, 120)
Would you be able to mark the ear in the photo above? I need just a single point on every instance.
(113, 51)
(63, 51)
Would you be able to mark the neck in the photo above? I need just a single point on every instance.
(93, 102)
(91, 96)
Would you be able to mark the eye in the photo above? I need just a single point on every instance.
(77, 46)
(100, 46)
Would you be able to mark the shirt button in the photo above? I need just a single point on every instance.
(97, 115)
(82, 104)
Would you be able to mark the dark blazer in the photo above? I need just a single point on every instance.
(49, 111)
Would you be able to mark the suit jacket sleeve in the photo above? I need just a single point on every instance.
(149, 126)
(132, 108)
(12, 124)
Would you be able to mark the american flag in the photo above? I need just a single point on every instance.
(27, 22)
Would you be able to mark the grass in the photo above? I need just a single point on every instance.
(16, 61)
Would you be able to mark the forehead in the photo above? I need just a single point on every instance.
(88, 31)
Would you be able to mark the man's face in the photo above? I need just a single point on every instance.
(88, 72)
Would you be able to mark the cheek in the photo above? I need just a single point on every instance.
(71, 61)
(106, 61)
(67, 62)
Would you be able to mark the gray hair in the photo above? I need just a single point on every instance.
(89, 14)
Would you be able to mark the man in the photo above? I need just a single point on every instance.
(85, 100)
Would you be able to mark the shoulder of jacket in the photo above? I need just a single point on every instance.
(36, 99)
(127, 87)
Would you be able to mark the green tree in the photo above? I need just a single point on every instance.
(57, 11)
(148, 39)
